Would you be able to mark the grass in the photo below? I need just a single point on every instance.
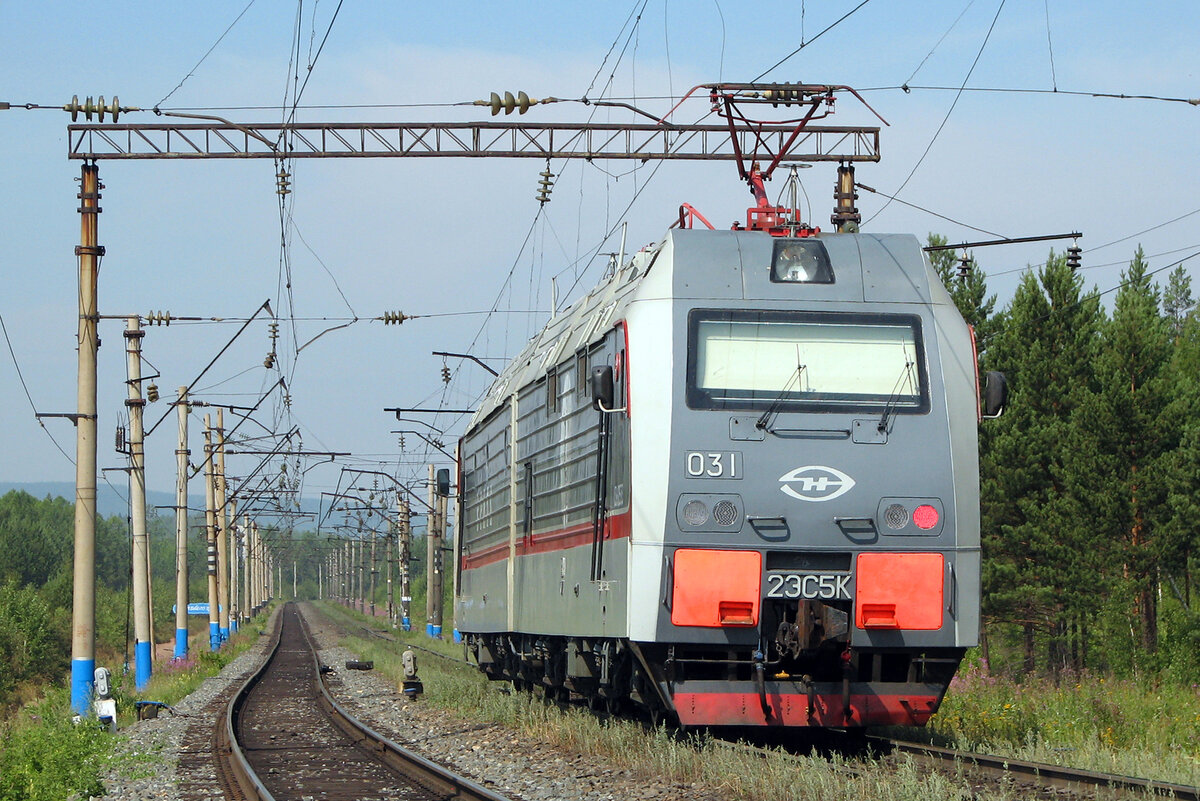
(1146, 727)
(694, 760)
(45, 757)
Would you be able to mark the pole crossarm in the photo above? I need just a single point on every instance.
(641, 142)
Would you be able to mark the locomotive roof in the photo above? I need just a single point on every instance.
(893, 268)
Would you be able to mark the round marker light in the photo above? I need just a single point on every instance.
(925, 516)
(695, 513)
(725, 513)
(896, 516)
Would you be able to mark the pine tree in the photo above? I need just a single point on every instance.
(1124, 442)
(1178, 303)
(1033, 535)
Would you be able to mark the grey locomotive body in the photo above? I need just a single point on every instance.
(737, 483)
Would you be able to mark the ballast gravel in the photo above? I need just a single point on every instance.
(489, 754)
(159, 763)
(156, 759)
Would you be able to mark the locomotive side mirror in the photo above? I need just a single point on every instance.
(602, 388)
(443, 482)
(995, 395)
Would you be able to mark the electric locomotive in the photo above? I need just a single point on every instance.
(736, 484)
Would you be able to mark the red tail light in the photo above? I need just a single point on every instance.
(925, 516)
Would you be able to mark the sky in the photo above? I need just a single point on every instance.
(452, 239)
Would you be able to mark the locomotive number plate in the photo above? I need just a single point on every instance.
(808, 587)
(713, 464)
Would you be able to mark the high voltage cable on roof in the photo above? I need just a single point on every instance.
(928, 211)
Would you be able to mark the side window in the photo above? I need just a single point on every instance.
(581, 373)
(552, 391)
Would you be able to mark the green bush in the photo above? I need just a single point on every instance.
(45, 757)
(31, 644)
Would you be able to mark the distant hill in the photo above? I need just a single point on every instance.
(113, 500)
(110, 502)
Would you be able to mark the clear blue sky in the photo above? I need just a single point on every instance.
(203, 239)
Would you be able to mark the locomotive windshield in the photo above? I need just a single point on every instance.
(805, 361)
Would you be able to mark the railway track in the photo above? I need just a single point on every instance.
(1037, 772)
(1043, 776)
(283, 736)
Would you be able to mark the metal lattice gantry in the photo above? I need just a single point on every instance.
(470, 139)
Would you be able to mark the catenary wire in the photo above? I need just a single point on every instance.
(1050, 46)
(933, 49)
(810, 41)
(192, 71)
(25, 386)
(949, 111)
(929, 211)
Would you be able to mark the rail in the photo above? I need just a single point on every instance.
(397, 758)
(1041, 773)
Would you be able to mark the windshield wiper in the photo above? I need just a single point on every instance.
(905, 373)
(764, 420)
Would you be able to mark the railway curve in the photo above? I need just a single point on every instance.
(284, 736)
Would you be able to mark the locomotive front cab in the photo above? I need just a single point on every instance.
(822, 560)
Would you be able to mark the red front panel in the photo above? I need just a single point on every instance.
(899, 591)
(716, 588)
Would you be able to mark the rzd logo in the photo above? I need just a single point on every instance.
(816, 482)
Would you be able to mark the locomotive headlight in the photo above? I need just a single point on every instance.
(695, 513)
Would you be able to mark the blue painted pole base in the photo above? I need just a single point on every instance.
(433, 631)
(233, 627)
(181, 643)
(214, 637)
(83, 677)
(143, 665)
(224, 635)
(457, 635)
(406, 624)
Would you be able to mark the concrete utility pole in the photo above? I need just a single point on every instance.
(246, 605)
(83, 611)
(405, 564)
(433, 557)
(360, 596)
(210, 517)
(374, 570)
(142, 649)
(234, 552)
(387, 558)
(255, 569)
(181, 566)
(347, 574)
(222, 527)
